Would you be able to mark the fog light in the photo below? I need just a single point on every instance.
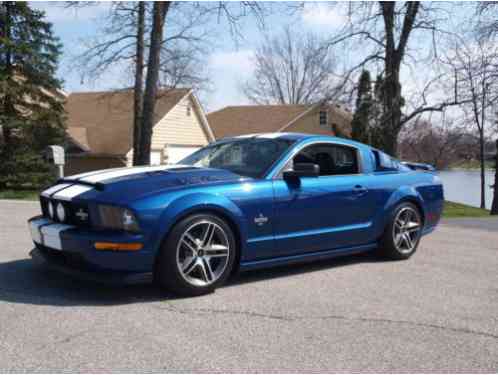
(132, 246)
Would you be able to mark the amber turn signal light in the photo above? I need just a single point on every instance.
(132, 246)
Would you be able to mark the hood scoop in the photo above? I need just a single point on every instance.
(97, 185)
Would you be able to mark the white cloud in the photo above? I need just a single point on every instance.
(323, 15)
(59, 12)
(240, 61)
(228, 71)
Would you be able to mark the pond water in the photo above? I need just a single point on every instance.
(465, 187)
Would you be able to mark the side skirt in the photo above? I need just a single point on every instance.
(306, 257)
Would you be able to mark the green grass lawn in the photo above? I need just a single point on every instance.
(452, 209)
(30, 195)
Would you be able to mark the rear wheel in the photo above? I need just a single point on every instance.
(197, 256)
(402, 234)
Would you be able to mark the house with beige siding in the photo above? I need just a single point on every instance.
(320, 118)
(100, 129)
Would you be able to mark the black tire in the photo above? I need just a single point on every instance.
(391, 246)
(167, 271)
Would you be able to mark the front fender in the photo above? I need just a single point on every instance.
(197, 202)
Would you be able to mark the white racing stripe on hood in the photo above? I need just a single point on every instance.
(71, 192)
(102, 177)
(94, 173)
(53, 189)
(68, 191)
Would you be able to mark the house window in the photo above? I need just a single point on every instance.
(323, 118)
(188, 110)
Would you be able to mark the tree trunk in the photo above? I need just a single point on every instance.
(156, 38)
(138, 90)
(392, 62)
(392, 104)
(392, 89)
(483, 175)
(494, 206)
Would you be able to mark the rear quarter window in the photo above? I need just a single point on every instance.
(384, 162)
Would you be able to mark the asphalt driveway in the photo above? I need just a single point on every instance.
(437, 311)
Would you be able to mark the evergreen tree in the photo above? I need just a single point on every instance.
(361, 117)
(379, 115)
(31, 107)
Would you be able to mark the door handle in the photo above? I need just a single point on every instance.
(360, 190)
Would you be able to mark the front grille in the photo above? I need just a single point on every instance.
(76, 213)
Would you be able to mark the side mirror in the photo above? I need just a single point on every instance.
(302, 170)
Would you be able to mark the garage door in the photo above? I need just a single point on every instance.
(177, 153)
(155, 158)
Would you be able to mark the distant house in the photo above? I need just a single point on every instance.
(100, 129)
(330, 119)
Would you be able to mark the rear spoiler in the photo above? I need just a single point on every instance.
(419, 166)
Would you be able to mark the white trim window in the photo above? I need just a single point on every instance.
(323, 115)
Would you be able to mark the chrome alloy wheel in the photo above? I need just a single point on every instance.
(406, 230)
(202, 253)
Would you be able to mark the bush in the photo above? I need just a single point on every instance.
(24, 168)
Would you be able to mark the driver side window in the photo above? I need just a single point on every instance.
(332, 159)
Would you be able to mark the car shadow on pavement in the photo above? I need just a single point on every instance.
(23, 281)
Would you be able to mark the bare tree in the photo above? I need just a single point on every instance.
(292, 68)
(138, 88)
(439, 144)
(487, 19)
(164, 59)
(131, 34)
(156, 39)
(380, 35)
(474, 63)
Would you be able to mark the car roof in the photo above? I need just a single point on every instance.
(295, 137)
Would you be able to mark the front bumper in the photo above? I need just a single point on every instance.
(55, 241)
(62, 263)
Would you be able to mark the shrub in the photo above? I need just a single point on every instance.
(24, 168)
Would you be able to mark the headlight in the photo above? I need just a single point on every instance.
(51, 211)
(118, 218)
(61, 212)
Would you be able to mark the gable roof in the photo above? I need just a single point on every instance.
(248, 119)
(102, 122)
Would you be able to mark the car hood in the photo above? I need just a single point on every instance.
(123, 185)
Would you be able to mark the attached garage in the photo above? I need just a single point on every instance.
(176, 153)
(156, 157)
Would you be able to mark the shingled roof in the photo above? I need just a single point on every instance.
(101, 123)
(248, 119)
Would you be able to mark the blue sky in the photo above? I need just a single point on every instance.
(229, 63)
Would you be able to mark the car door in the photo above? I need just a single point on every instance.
(334, 210)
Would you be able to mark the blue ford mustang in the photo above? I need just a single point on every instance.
(240, 203)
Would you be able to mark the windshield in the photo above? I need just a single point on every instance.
(251, 157)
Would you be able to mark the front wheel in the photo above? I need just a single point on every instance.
(402, 234)
(197, 256)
